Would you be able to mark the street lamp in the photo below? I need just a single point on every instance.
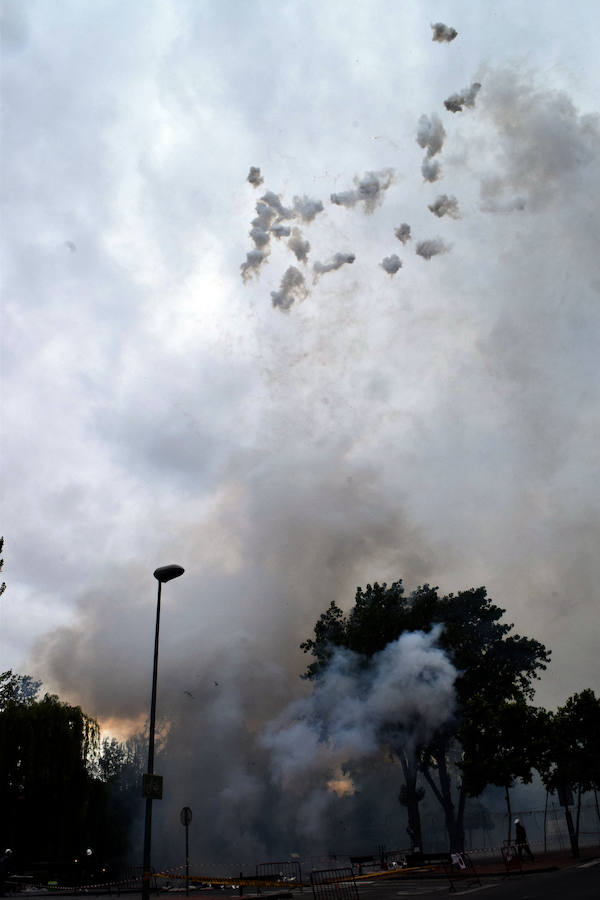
(152, 784)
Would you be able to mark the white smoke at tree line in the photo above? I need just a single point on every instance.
(337, 262)
(291, 289)
(432, 247)
(401, 697)
(391, 264)
(254, 177)
(369, 190)
(403, 232)
(466, 97)
(443, 34)
(445, 206)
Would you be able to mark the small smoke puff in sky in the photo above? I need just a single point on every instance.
(445, 206)
(254, 260)
(432, 247)
(431, 134)
(430, 169)
(307, 208)
(292, 288)
(254, 177)
(369, 190)
(443, 34)
(455, 102)
(298, 245)
(403, 232)
(391, 264)
(337, 262)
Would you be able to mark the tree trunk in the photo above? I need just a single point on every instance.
(545, 820)
(409, 769)
(578, 815)
(507, 795)
(443, 794)
(572, 835)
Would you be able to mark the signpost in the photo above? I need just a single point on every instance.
(186, 817)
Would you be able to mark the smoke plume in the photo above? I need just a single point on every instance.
(338, 260)
(445, 206)
(306, 208)
(400, 697)
(443, 34)
(430, 248)
(291, 289)
(274, 202)
(391, 264)
(455, 102)
(254, 177)
(281, 230)
(369, 190)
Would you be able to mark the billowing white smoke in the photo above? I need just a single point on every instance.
(338, 260)
(443, 34)
(398, 698)
(445, 206)
(466, 97)
(369, 190)
(432, 247)
(292, 288)
(391, 264)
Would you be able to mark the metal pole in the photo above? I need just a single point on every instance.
(147, 864)
(187, 859)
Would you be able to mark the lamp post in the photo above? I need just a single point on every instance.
(152, 785)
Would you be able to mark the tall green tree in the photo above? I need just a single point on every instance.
(571, 754)
(494, 667)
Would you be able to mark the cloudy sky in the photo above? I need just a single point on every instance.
(434, 422)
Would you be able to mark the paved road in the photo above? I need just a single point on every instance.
(579, 882)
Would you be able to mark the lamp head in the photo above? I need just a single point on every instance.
(166, 573)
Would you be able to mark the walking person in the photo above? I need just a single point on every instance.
(521, 841)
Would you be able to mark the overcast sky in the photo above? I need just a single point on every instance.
(438, 423)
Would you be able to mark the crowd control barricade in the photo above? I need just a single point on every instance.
(511, 858)
(460, 868)
(288, 870)
(334, 884)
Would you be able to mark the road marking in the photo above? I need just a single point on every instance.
(586, 865)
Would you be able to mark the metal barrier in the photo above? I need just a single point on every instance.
(334, 884)
(288, 870)
(511, 859)
(460, 868)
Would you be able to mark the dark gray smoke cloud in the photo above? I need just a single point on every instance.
(391, 264)
(432, 247)
(369, 191)
(443, 34)
(403, 232)
(431, 134)
(340, 259)
(445, 206)
(455, 102)
(291, 289)
(298, 245)
(254, 177)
